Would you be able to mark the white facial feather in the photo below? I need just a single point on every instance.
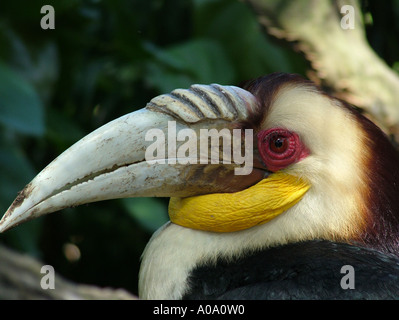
(334, 166)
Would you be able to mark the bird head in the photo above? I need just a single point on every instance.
(349, 163)
(300, 165)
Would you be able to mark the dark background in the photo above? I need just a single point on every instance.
(105, 59)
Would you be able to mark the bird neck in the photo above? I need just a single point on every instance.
(174, 251)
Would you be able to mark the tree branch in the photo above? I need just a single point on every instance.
(20, 278)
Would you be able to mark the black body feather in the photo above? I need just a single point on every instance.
(304, 270)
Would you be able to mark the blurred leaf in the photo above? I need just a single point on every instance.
(232, 23)
(15, 173)
(396, 66)
(20, 107)
(151, 213)
(38, 65)
(197, 61)
(58, 124)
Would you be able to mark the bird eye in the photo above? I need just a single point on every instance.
(279, 144)
(280, 147)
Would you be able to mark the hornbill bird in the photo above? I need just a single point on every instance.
(318, 193)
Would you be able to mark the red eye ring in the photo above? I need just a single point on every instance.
(280, 147)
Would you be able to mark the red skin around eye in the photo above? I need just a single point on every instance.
(291, 151)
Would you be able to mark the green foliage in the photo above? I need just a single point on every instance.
(105, 59)
(195, 61)
(21, 107)
(150, 213)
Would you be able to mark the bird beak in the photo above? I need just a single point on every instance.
(144, 154)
